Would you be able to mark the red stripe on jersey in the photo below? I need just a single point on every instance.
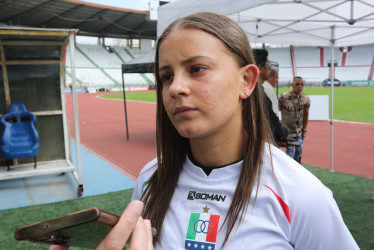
(212, 229)
(284, 206)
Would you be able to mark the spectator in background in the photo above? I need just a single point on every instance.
(294, 106)
(279, 132)
(263, 64)
(269, 85)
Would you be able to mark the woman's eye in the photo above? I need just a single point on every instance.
(197, 69)
(166, 78)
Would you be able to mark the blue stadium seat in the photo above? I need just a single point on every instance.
(19, 138)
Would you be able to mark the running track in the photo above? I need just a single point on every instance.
(103, 131)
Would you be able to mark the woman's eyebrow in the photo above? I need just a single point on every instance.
(192, 59)
(166, 67)
(184, 62)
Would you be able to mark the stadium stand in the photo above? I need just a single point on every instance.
(307, 57)
(352, 73)
(311, 63)
(125, 53)
(98, 68)
(360, 55)
(281, 56)
(99, 55)
(285, 75)
(327, 56)
(313, 76)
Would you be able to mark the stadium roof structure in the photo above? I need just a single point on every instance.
(90, 19)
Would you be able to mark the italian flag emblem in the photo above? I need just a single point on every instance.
(202, 231)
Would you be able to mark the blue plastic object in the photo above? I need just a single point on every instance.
(19, 138)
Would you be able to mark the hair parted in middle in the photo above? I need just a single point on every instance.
(172, 148)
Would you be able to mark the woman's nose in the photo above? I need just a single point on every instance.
(179, 86)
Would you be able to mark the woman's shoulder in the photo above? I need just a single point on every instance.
(148, 169)
(295, 185)
(290, 174)
(143, 178)
(308, 202)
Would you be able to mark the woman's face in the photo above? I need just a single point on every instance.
(203, 86)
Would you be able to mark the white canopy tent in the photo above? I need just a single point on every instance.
(334, 23)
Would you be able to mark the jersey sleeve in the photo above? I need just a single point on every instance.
(143, 179)
(315, 220)
(319, 224)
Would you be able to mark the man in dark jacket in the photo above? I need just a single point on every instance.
(280, 133)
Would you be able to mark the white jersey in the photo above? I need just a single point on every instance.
(293, 210)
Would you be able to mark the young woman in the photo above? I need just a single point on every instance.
(217, 181)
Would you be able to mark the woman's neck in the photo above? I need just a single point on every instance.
(218, 151)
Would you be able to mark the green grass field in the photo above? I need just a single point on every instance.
(350, 103)
(146, 96)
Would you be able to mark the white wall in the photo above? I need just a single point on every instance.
(319, 108)
(307, 60)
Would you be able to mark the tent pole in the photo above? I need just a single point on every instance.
(124, 102)
(332, 96)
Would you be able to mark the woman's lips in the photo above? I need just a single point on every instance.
(183, 111)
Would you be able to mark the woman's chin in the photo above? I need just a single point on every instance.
(189, 132)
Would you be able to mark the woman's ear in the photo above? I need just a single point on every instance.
(250, 74)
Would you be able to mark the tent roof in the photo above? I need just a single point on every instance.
(91, 19)
(142, 64)
(295, 22)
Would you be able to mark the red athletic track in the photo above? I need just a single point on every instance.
(103, 131)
